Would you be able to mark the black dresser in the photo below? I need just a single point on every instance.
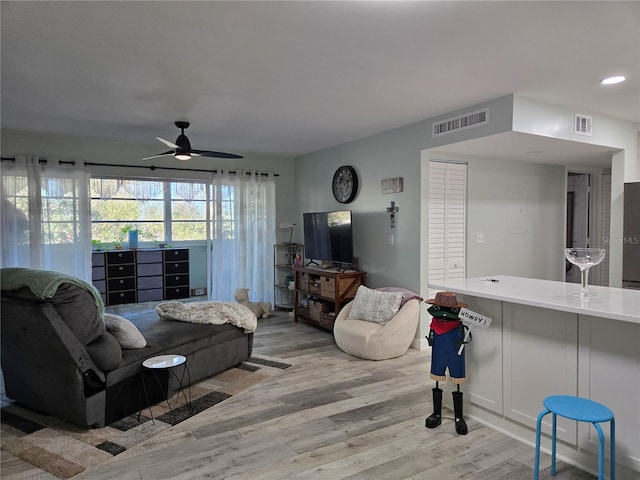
(130, 276)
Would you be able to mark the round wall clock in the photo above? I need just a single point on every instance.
(345, 184)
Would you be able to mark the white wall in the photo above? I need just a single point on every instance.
(556, 121)
(395, 153)
(519, 207)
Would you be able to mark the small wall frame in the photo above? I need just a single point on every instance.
(392, 185)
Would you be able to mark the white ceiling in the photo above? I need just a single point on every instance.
(289, 78)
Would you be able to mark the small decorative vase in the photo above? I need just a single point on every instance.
(133, 238)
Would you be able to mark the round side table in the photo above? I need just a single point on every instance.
(168, 363)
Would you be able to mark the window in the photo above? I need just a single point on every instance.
(162, 211)
(59, 202)
(45, 216)
(188, 211)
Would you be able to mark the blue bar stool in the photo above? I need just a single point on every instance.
(581, 410)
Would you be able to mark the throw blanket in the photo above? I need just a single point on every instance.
(215, 313)
(44, 283)
(406, 294)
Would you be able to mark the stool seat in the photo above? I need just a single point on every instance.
(581, 410)
(576, 408)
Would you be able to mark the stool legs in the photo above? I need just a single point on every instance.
(536, 471)
(553, 445)
(600, 450)
(613, 448)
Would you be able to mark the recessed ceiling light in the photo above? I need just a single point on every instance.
(613, 80)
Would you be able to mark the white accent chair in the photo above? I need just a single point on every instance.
(373, 341)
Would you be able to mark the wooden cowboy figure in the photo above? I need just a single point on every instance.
(446, 335)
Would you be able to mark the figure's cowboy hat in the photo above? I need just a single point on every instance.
(446, 299)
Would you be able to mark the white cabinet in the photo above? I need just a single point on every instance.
(284, 258)
(483, 356)
(540, 359)
(609, 357)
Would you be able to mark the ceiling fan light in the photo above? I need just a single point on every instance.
(183, 156)
(613, 80)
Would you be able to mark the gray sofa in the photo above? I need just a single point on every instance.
(58, 358)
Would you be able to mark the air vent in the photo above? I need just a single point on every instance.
(462, 122)
(583, 124)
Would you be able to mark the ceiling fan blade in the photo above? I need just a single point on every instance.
(168, 143)
(159, 155)
(208, 153)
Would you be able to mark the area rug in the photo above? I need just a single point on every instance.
(65, 450)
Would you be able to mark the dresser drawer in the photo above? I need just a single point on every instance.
(118, 284)
(97, 259)
(181, 254)
(177, 280)
(149, 282)
(117, 271)
(176, 267)
(98, 273)
(117, 298)
(150, 295)
(101, 285)
(114, 258)
(176, 292)
(149, 269)
(154, 256)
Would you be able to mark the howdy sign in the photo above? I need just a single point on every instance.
(472, 319)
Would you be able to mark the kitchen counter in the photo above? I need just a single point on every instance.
(614, 303)
(545, 340)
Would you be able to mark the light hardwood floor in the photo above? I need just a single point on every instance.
(330, 416)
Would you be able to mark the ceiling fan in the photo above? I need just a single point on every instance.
(182, 148)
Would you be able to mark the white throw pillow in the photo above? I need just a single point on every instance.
(127, 334)
(375, 306)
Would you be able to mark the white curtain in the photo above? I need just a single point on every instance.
(242, 235)
(45, 218)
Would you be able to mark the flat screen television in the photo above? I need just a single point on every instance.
(328, 236)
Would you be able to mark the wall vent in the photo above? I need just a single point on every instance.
(583, 124)
(461, 122)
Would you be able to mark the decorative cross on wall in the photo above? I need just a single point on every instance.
(392, 214)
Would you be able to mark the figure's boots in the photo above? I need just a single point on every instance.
(435, 418)
(461, 425)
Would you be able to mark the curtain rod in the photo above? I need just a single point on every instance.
(150, 167)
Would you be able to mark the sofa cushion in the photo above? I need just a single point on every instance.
(77, 308)
(375, 306)
(125, 332)
(105, 351)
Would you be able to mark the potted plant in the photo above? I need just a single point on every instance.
(132, 233)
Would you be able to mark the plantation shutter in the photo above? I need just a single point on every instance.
(447, 212)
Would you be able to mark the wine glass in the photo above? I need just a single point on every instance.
(584, 259)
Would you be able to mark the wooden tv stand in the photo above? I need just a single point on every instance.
(321, 293)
